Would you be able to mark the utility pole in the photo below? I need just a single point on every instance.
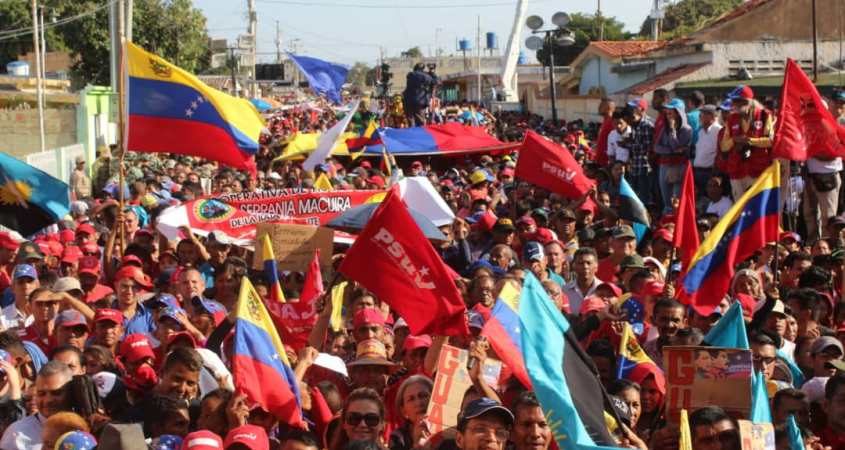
(478, 56)
(43, 42)
(815, 45)
(601, 21)
(39, 86)
(253, 31)
(278, 44)
(232, 63)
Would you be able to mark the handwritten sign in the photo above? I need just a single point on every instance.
(756, 436)
(450, 384)
(703, 376)
(294, 245)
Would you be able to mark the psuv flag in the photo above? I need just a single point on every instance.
(502, 330)
(324, 78)
(260, 366)
(631, 208)
(751, 222)
(631, 354)
(552, 167)
(566, 384)
(172, 111)
(393, 258)
(271, 270)
(29, 198)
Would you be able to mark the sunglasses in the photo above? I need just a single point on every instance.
(371, 419)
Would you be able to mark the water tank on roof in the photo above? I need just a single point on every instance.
(18, 69)
(464, 45)
(492, 41)
(521, 59)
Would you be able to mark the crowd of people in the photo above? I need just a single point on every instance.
(112, 334)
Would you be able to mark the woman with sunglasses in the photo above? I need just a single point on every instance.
(362, 419)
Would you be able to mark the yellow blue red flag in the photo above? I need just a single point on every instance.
(271, 270)
(631, 354)
(260, 366)
(172, 111)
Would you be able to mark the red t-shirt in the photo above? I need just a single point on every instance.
(601, 144)
(46, 344)
(607, 270)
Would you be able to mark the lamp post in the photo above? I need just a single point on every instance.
(552, 37)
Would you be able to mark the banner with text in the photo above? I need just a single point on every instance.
(313, 207)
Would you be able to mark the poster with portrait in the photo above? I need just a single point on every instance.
(703, 376)
(756, 436)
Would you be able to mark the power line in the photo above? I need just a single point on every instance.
(6, 35)
(377, 6)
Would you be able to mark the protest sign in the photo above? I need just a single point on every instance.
(756, 436)
(314, 207)
(294, 245)
(205, 215)
(703, 376)
(450, 384)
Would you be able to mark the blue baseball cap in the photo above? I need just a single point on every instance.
(166, 442)
(172, 313)
(481, 406)
(25, 270)
(475, 319)
(533, 251)
(162, 301)
(726, 105)
(76, 440)
(71, 318)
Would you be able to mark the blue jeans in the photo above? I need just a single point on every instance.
(668, 190)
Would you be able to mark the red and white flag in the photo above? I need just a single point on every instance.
(552, 167)
(393, 258)
(805, 127)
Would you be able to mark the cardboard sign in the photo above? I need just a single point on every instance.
(756, 436)
(703, 376)
(294, 245)
(450, 384)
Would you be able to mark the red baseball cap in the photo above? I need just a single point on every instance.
(182, 335)
(90, 247)
(663, 233)
(366, 165)
(592, 304)
(202, 440)
(136, 274)
(376, 180)
(7, 242)
(414, 342)
(135, 347)
(89, 265)
(131, 259)
(86, 228)
(111, 315)
(142, 380)
(72, 254)
(66, 236)
(56, 248)
(367, 316)
(250, 436)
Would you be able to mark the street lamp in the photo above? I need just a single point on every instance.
(560, 35)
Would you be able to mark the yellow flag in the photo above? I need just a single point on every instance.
(336, 320)
(685, 441)
(322, 183)
(271, 270)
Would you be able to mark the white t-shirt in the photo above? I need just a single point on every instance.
(720, 207)
(25, 434)
(707, 146)
(818, 166)
(614, 150)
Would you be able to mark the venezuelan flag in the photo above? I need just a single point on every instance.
(370, 136)
(271, 270)
(502, 331)
(631, 354)
(451, 138)
(750, 223)
(172, 111)
(260, 366)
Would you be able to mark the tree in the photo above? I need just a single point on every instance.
(17, 15)
(413, 52)
(687, 16)
(358, 75)
(173, 29)
(586, 28)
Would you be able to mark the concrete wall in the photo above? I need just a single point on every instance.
(19, 130)
(788, 20)
(596, 72)
(726, 52)
(569, 107)
(446, 65)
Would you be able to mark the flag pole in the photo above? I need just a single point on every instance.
(121, 117)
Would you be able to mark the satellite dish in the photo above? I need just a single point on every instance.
(560, 19)
(534, 43)
(534, 22)
(564, 38)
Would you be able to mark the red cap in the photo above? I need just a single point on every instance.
(789, 235)
(7, 242)
(746, 92)
(250, 436)
(111, 315)
(182, 335)
(486, 221)
(135, 347)
(86, 228)
(135, 273)
(142, 380)
(131, 259)
(617, 292)
(376, 180)
(89, 265)
(544, 236)
(528, 220)
(366, 165)
(507, 171)
(414, 342)
(90, 247)
(44, 247)
(56, 248)
(367, 316)
(663, 233)
(72, 254)
(592, 304)
(66, 236)
(477, 194)
(202, 440)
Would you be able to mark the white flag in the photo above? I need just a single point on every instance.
(328, 139)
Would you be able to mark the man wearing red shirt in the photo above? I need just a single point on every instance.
(624, 244)
(89, 276)
(606, 110)
(833, 435)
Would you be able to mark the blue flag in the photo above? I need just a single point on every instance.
(29, 198)
(760, 411)
(729, 331)
(796, 439)
(542, 323)
(325, 78)
(797, 374)
(631, 208)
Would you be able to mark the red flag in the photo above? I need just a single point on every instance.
(805, 127)
(393, 258)
(552, 167)
(685, 238)
(312, 287)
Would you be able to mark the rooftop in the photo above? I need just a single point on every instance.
(619, 49)
(662, 79)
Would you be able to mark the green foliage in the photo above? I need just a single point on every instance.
(687, 16)
(586, 28)
(359, 75)
(173, 29)
(413, 52)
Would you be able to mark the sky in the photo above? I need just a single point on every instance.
(347, 31)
